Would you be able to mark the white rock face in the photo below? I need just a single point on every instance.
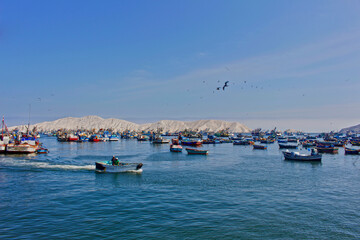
(95, 122)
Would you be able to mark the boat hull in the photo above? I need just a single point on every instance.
(260, 147)
(305, 158)
(196, 151)
(20, 148)
(191, 143)
(349, 151)
(176, 148)
(287, 146)
(122, 167)
(327, 150)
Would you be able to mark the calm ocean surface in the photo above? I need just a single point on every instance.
(233, 193)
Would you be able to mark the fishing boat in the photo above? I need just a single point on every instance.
(94, 138)
(308, 144)
(113, 138)
(351, 151)
(72, 138)
(191, 142)
(296, 156)
(160, 140)
(243, 142)
(192, 151)
(293, 139)
(267, 140)
(259, 147)
(331, 150)
(175, 146)
(21, 148)
(287, 146)
(107, 166)
(142, 138)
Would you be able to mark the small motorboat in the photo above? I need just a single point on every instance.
(42, 150)
(192, 151)
(352, 151)
(262, 147)
(296, 156)
(107, 166)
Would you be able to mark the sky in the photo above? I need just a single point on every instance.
(290, 64)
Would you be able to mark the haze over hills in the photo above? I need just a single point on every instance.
(96, 122)
(355, 129)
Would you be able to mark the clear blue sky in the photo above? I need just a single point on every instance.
(145, 61)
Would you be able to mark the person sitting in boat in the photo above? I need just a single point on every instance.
(313, 151)
(114, 161)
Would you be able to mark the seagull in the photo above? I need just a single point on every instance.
(225, 85)
(218, 88)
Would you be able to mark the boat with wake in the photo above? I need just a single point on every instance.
(116, 166)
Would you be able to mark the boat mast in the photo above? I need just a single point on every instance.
(28, 130)
(2, 128)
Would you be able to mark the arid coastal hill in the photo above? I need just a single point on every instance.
(95, 122)
(355, 129)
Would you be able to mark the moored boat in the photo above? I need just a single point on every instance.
(243, 142)
(175, 146)
(296, 156)
(191, 142)
(192, 151)
(20, 148)
(160, 140)
(288, 146)
(331, 150)
(259, 147)
(113, 138)
(351, 151)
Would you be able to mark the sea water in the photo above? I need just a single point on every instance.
(233, 193)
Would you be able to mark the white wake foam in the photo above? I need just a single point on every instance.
(44, 165)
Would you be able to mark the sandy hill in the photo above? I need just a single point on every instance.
(95, 122)
(355, 129)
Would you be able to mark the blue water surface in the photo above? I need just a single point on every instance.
(233, 193)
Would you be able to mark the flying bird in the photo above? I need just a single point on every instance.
(225, 85)
(218, 88)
